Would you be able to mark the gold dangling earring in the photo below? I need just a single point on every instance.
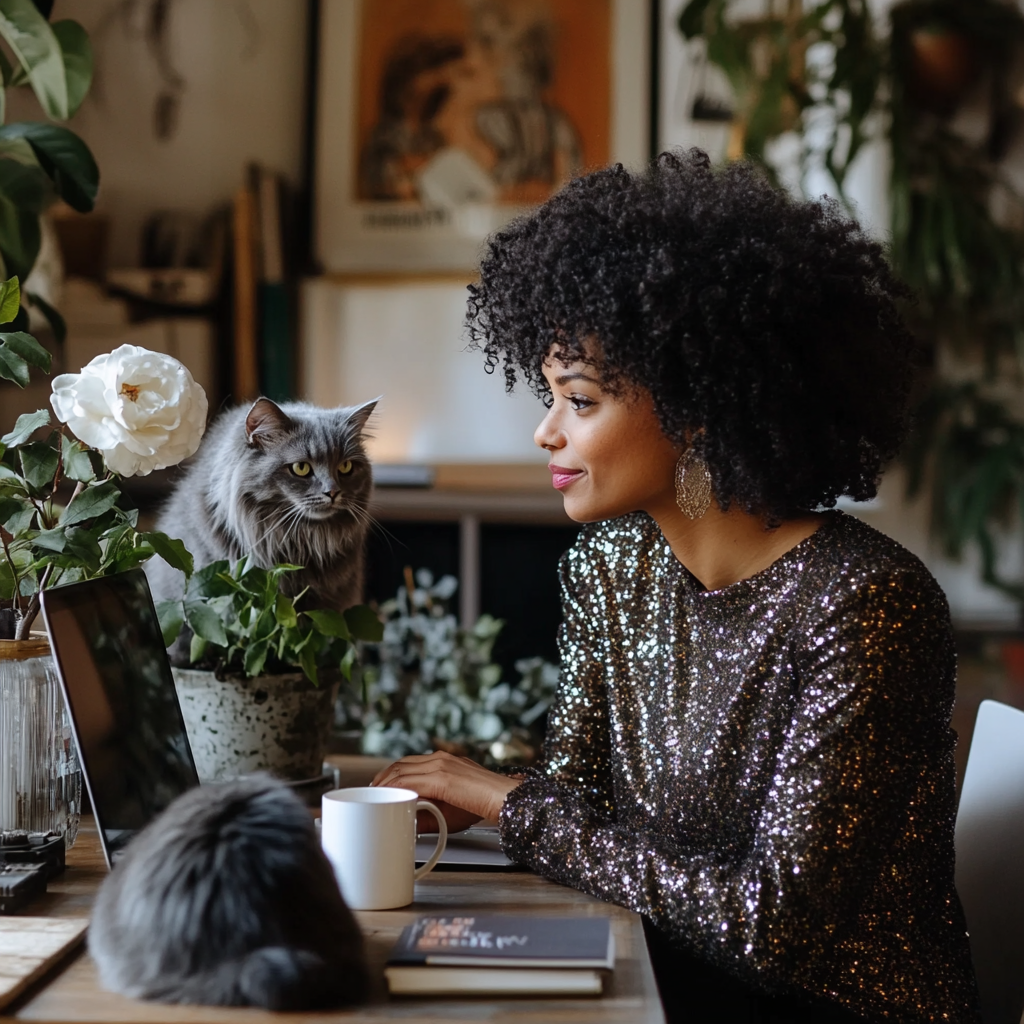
(693, 485)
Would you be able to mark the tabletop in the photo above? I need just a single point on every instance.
(71, 993)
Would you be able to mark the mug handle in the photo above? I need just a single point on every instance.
(442, 838)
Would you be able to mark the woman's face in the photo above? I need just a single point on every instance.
(608, 454)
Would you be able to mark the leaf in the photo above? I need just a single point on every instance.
(13, 367)
(205, 622)
(53, 317)
(10, 507)
(171, 550)
(25, 426)
(92, 502)
(28, 348)
(172, 618)
(39, 461)
(83, 545)
(35, 45)
(51, 540)
(20, 521)
(255, 658)
(77, 464)
(347, 662)
(208, 581)
(196, 649)
(329, 623)
(24, 191)
(76, 51)
(65, 159)
(307, 659)
(7, 582)
(10, 300)
(284, 609)
(364, 623)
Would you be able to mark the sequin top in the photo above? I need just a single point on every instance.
(766, 770)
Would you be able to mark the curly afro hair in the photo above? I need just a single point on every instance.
(766, 329)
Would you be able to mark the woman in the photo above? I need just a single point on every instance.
(751, 742)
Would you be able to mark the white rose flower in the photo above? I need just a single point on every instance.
(141, 410)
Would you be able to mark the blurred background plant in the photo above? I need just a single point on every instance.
(941, 85)
(41, 162)
(430, 684)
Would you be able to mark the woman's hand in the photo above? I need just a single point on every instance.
(463, 791)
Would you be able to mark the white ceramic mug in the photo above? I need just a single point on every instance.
(369, 836)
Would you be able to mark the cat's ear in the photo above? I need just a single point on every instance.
(264, 421)
(361, 414)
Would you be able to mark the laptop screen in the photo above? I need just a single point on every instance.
(110, 656)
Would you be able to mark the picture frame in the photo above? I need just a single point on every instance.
(438, 121)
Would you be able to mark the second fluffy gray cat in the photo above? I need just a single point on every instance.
(278, 483)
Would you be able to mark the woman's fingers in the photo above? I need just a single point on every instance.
(413, 759)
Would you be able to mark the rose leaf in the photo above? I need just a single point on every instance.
(77, 464)
(93, 501)
(25, 426)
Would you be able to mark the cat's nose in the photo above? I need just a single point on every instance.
(331, 492)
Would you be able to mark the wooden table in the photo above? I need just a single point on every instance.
(71, 992)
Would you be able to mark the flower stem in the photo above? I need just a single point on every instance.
(33, 606)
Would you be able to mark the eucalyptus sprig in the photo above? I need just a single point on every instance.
(242, 623)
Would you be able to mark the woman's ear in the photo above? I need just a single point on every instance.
(264, 421)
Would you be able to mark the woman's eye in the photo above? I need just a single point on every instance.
(578, 402)
(301, 468)
(345, 467)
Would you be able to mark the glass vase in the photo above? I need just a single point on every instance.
(40, 778)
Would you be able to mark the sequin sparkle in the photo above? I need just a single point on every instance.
(765, 771)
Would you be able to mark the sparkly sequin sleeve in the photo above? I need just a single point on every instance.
(793, 838)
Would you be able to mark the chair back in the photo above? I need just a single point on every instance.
(990, 859)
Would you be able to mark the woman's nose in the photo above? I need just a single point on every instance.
(548, 435)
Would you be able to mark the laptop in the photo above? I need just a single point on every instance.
(110, 658)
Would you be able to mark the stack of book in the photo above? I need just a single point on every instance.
(502, 955)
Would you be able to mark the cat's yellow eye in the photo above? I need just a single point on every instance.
(301, 468)
(345, 467)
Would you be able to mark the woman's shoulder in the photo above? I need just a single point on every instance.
(858, 565)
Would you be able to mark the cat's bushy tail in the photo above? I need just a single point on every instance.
(274, 977)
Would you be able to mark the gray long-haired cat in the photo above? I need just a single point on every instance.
(280, 483)
(227, 899)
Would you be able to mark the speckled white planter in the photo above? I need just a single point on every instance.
(278, 724)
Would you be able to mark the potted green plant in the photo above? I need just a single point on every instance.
(430, 684)
(263, 671)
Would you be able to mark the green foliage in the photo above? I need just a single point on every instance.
(776, 87)
(45, 543)
(429, 684)
(40, 162)
(241, 622)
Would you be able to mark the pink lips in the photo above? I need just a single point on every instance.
(562, 477)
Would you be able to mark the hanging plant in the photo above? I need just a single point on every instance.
(956, 224)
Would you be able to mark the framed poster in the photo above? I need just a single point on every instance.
(440, 120)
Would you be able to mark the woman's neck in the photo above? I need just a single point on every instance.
(722, 548)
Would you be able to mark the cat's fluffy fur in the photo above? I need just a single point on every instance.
(240, 496)
(228, 900)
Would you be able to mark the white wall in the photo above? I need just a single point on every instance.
(243, 62)
(405, 342)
